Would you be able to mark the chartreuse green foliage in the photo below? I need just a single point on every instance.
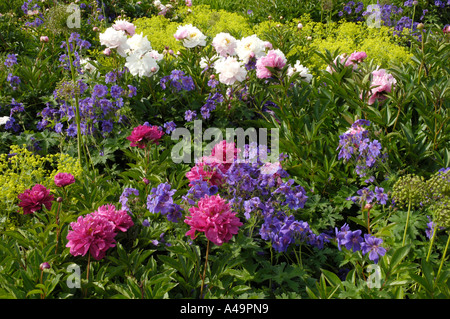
(160, 30)
(22, 169)
(347, 37)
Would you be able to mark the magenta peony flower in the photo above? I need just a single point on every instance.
(64, 179)
(273, 59)
(207, 170)
(33, 199)
(382, 82)
(91, 233)
(143, 134)
(214, 217)
(119, 218)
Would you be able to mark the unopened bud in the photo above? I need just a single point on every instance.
(44, 39)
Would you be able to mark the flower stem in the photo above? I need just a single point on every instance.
(204, 270)
(443, 258)
(407, 222)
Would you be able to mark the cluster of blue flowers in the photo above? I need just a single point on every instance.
(177, 81)
(11, 124)
(160, 200)
(355, 143)
(13, 80)
(76, 45)
(28, 6)
(352, 240)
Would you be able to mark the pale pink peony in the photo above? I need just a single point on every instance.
(382, 82)
(230, 70)
(64, 179)
(225, 44)
(119, 218)
(352, 60)
(91, 233)
(124, 25)
(214, 218)
(273, 59)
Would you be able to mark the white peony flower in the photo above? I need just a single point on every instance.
(230, 70)
(115, 39)
(210, 62)
(141, 64)
(86, 65)
(190, 35)
(4, 120)
(138, 43)
(225, 44)
(302, 70)
(250, 46)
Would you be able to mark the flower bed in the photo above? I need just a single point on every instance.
(178, 150)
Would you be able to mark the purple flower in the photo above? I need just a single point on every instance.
(352, 240)
(11, 59)
(372, 246)
(189, 115)
(100, 90)
(116, 91)
(170, 126)
(124, 197)
(160, 199)
(380, 195)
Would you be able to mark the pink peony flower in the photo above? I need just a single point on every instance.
(64, 179)
(124, 25)
(225, 153)
(214, 217)
(143, 134)
(273, 59)
(382, 82)
(33, 199)
(352, 60)
(356, 57)
(119, 218)
(91, 233)
(446, 29)
(188, 3)
(208, 170)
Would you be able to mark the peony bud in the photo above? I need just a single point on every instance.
(44, 38)
(447, 29)
(95, 29)
(299, 26)
(45, 265)
(107, 52)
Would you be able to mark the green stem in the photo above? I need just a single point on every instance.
(407, 222)
(77, 105)
(443, 258)
(204, 270)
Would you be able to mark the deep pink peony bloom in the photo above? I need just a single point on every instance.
(382, 82)
(273, 59)
(143, 134)
(119, 218)
(64, 179)
(214, 217)
(91, 233)
(209, 171)
(225, 153)
(33, 199)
